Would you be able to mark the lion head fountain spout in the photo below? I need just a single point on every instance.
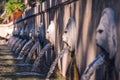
(41, 33)
(106, 37)
(32, 34)
(69, 36)
(50, 35)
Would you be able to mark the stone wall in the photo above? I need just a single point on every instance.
(86, 13)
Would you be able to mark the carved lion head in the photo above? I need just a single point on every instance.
(106, 36)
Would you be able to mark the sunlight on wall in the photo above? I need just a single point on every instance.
(86, 23)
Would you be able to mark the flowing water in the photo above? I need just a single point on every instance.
(37, 61)
(34, 47)
(25, 50)
(55, 62)
(11, 68)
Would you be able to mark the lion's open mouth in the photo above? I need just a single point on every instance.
(102, 50)
(67, 44)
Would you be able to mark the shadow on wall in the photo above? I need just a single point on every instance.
(87, 14)
(86, 48)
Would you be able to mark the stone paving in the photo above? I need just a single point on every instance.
(12, 68)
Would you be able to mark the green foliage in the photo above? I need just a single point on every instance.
(11, 4)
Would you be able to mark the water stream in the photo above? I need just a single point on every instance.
(12, 69)
(38, 59)
(35, 46)
(59, 56)
(25, 50)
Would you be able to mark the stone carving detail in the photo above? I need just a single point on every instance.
(41, 33)
(50, 35)
(69, 36)
(106, 36)
(39, 39)
(106, 39)
(25, 50)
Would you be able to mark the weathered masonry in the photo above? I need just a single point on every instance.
(86, 14)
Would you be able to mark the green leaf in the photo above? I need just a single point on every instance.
(10, 6)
